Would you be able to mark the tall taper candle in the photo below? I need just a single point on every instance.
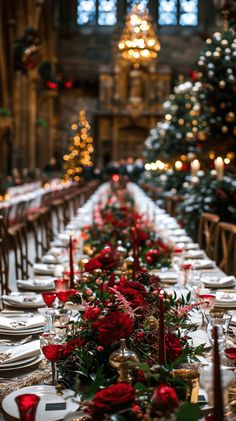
(219, 167)
(133, 233)
(218, 411)
(162, 348)
(71, 263)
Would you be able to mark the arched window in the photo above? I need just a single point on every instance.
(170, 12)
(101, 12)
(132, 3)
(178, 12)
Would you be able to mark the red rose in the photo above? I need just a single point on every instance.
(72, 345)
(164, 398)
(131, 295)
(114, 327)
(113, 398)
(173, 347)
(92, 313)
(142, 235)
(52, 352)
(92, 265)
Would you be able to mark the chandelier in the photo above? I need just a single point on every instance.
(138, 41)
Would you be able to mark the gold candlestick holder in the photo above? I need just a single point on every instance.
(123, 360)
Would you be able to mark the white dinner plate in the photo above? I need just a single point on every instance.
(47, 395)
(21, 332)
(24, 365)
(18, 363)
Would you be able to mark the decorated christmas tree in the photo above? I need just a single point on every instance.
(178, 134)
(79, 158)
(216, 70)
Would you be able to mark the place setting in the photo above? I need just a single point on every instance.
(27, 300)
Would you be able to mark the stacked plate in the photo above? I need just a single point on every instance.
(21, 326)
(20, 357)
(26, 300)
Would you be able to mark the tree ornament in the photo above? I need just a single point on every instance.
(202, 136)
(224, 42)
(222, 105)
(222, 84)
(152, 322)
(224, 129)
(189, 136)
(230, 117)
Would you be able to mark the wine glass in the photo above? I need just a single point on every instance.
(52, 348)
(222, 321)
(58, 320)
(207, 301)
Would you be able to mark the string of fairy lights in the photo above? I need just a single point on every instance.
(80, 151)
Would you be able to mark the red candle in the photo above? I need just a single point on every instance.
(162, 349)
(218, 412)
(134, 253)
(71, 264)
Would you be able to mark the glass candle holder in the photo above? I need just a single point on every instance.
(61, 284)
(27, 405)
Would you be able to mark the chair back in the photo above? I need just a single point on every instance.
(207, 232)
(225, 249)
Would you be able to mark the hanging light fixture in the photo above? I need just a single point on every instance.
(138, 41)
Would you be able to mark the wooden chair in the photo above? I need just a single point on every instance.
(225, 247)
(40, 225)
(19, 242)
(207, 232)
(171, 203)
(4, 268)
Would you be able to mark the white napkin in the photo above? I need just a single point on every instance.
(194, 254)
(203, 264)
(167, 275)
(225, 299)
(216, 282)
(33, 284)
(22, 352)
(48, 258)
(7, 323)
(44, 268)
(24, 300)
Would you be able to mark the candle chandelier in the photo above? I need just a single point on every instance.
(139, 42)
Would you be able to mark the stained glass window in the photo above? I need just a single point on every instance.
(188, 12)
(141, 4)
(167, 12)
(86, 12)
(107, 12)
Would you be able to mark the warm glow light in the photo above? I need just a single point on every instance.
(178, 165)
(227, 161)
(138, 41)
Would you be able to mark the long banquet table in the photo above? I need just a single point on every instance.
(166, 226)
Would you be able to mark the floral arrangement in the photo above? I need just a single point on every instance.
(116, 306)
